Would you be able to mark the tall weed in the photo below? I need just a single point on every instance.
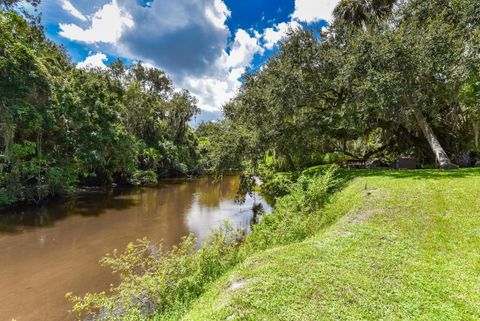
(158, 284)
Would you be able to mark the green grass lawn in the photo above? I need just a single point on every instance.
(402, 246)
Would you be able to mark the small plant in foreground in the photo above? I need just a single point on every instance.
(155, 282)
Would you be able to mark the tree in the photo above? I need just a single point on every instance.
(61, 125)
(421, 76)
(363, 13)
(391, 88)
(470, 98)
(10, 4)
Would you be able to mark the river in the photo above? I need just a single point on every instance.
(48, 251)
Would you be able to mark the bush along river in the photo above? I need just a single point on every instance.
(48, 251)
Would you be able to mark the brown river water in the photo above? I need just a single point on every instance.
(48, 251)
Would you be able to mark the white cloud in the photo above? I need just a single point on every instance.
(94, 61)
(243, 50)
(182, 37)
(273, 35)
(211, 92)
(106, 26)
(307, 11)
(188, 39)
(214, 91)
(68, 6)
(218, 14)
(314, 10)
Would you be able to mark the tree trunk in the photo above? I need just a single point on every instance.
(476, 132)
(8, 139)
(440, 155)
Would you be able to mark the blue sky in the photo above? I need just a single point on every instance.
(204, 45)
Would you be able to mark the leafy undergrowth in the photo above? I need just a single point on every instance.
(406, 247)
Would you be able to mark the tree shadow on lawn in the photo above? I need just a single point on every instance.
(350, 174)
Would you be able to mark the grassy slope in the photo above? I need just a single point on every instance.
(406, 246)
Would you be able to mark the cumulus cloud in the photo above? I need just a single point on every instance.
(306, 11)
(273, 35)
(221, 86)
(107, 25)
(314, 10)
(218, 14)
(68, 6)
(93, 61)
(188, 39)
(184, 37)
(243, 49)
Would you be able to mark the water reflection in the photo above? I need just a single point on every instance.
(48, 251)
(85, 204)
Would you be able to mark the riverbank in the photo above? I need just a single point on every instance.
(403, 245)
(360, 244)
(85, 189)
(50, 250)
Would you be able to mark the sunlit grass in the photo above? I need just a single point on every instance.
(402, 246)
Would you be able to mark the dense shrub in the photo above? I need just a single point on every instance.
(27, 178)
(60, 124)
(279, 185)
(158, 284)
(146, 177)
(297, 214)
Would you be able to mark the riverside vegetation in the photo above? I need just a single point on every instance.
(385, 79)
(62, 127)
(162, 286)
(394, 78)
(389, 246)
(350, 245)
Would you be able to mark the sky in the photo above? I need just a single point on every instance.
(204, 45)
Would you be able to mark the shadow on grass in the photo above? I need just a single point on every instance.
(345, 176)
(412, 174)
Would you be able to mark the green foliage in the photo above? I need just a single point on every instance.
(334, 158)
(144, 177)
(363, 12)
(277, 186)
(385, 79)
(470, 92)
(274, 184)
(160, 285)
(9, 4)
(29, 178)
(61, 126)
(223, 142)
(297, 214)
(470, 98)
